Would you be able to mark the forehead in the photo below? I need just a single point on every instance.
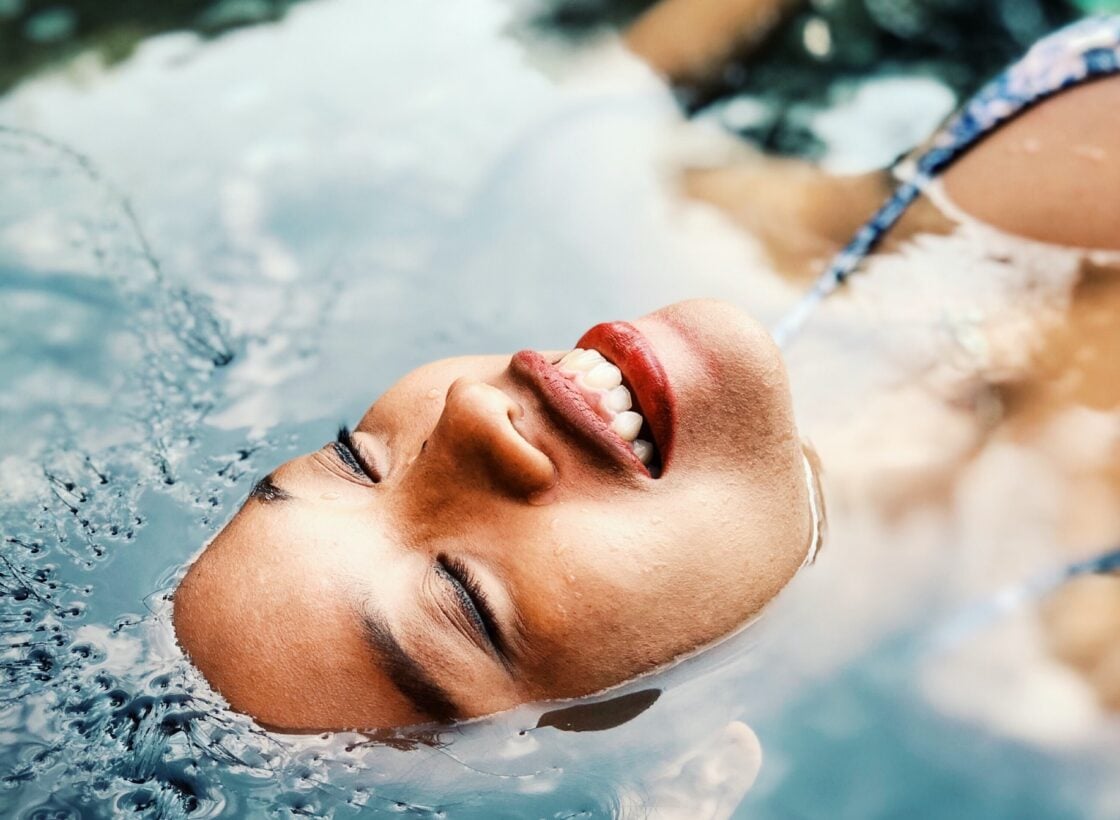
(279, 636)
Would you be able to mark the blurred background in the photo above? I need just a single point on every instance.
(817, 45)
(225, 227)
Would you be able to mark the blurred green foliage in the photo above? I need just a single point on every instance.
(36, 33)
(830, 44)
(962, 42)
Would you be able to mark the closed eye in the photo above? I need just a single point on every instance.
(474, 603)
(351, 456)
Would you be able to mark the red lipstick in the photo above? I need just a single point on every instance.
(567, 406)
(631, 352)
(624, 346)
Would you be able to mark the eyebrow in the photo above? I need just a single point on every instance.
(407, 675)
(268, 491)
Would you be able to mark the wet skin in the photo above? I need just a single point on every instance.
(476, 551)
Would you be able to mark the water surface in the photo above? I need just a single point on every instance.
(213, 252)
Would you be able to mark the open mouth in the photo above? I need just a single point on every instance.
(613, 390)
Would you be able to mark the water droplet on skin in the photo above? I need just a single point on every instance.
(1093, 153)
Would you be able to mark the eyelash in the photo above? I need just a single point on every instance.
(465, 578)
(350, 456)
(347, 452)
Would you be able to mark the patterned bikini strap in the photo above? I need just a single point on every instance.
(1074, 55)
(989, 610)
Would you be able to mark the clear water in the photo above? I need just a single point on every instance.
(214, 252)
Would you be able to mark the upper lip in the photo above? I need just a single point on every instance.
(625, 346)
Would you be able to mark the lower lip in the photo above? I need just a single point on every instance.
(631, 352)
(566, 404)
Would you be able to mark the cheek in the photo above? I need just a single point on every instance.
(606, 558)
(622, 597)
(742, 430)
(686, 545)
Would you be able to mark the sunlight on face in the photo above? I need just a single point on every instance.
(488, 535)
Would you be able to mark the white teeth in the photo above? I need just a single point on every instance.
(567, 357)
(627, 424)
(604, 376)
(601, 384)
(618, 399)
(582, 360)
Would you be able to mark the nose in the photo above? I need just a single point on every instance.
(476, 441)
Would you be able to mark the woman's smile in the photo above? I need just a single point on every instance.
(611, 393)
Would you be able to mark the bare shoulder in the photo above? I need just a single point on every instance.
(1053, 174)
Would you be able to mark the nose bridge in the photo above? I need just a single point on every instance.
(476, 443)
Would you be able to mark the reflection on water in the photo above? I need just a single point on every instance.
(404, 186)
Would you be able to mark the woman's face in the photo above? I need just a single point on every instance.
(487, 535)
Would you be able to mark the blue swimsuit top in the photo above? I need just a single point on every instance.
(1086, 50)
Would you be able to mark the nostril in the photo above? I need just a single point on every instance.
(480, 428)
